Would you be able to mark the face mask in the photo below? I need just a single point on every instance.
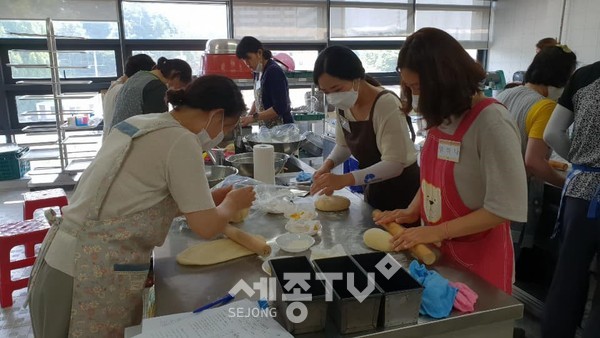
(205, 140)
(415, 102)
(343, 100)
(554, 93)
(259, 68)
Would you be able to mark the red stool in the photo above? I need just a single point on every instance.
(27, 233)
(43, 199)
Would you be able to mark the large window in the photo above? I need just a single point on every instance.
(303, 59)
(76, 64)
(289, 20)
(40, 108)
(193, 57)
(379, 61)
(36, 29)
(351, 21)
(174, 20)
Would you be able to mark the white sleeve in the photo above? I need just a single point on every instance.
(555, 134)
(379, 171)
(186, 177)
(392, 132)
(339, 154)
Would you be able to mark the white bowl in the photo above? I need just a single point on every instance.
(295, 242)
(309, 227)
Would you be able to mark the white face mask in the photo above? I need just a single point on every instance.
(415, 102)
(205, 140)
(343, 100)
(259, 68)
(554, 93)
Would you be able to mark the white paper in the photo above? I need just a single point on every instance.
(219, 322)
(155, 323)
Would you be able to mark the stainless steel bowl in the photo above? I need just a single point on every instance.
(244, 162)
(281, 147)
(221, 46)
(217, 173)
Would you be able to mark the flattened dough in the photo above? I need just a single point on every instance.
(332, 203)
(378, 239)
(213, 252)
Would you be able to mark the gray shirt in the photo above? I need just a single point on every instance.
(143, 93)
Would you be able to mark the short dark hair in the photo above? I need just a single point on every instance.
(250, 44)
(552, 66)
(171, 68)
(449, 77)
(546, 42)
(210, 92)
(338, 61)
(138, 62)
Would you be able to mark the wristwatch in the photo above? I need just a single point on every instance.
(255, 117)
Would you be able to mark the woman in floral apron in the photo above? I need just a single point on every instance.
(271, 93)
(89, 277)
(473, 179)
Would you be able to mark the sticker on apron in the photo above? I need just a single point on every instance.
(345, 124)
(449, 150)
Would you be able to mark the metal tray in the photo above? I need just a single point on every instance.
(401, 292)
(316, 307)
(347, 312)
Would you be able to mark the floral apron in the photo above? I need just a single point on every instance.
(488, 254)
(112, 255)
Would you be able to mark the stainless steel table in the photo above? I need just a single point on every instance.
(184, 288)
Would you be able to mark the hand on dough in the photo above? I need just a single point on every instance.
(327, 183)
(400, 216)
(219, 194)
(418, 235)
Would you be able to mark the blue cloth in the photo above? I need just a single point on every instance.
(275, 91)
(304, 177)
(438, 296)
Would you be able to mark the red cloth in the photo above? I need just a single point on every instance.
(488, 254)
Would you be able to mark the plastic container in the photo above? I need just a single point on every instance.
(316, 307)
(401, 292)
(349, 314)
(12, 167)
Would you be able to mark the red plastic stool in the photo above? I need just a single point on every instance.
(27, 233)
(43, 199)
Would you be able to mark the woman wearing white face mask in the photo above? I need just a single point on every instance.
(89, 277)
(271, 93)
(371, 127)
(531, 106)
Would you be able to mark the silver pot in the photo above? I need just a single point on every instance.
(280, 147)
(217, 173)
(244, 162)
(221, 46)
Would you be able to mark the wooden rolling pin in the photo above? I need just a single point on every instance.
(419, 251)
(250, 242)
(562, 166)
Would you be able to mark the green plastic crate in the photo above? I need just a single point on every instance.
(12, 167)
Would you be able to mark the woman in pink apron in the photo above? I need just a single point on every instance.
(90, 274)
(473, 179)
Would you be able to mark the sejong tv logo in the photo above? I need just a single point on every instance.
(297, 288)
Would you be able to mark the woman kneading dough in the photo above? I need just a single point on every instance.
(90, 274)
(370, 127)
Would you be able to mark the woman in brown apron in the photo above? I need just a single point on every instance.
(370, 127)
(90, 274)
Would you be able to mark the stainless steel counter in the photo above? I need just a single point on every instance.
(183, 288)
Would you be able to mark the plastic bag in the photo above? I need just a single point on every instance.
(335, 251)
(273, 199)
(237, 181)
(285, 133)
(264, 135)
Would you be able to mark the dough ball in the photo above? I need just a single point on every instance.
(240, 216)
(332, 203)
(378, 239)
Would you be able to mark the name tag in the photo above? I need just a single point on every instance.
(345, 124)
(449, 150)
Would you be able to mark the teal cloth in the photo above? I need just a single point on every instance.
(438, 296)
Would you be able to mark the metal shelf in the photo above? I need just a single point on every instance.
(78, 165)
(43, 66)
(81, 96)
(42, 128)
(65, 112)
(82, 139)
(46, 36)
(66, 127)
(41, 154)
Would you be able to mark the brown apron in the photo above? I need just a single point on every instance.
(394, 193)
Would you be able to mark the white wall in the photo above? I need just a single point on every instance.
(518, 25)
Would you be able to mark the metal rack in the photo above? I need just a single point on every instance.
(58, 127)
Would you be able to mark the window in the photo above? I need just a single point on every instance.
(290, 20)
(78, 64)
(32, 109)
(174, 20)
(84, 29)
(462, 25)
(360, 22)
(379, 61)
(303, 59)
(193, 57)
